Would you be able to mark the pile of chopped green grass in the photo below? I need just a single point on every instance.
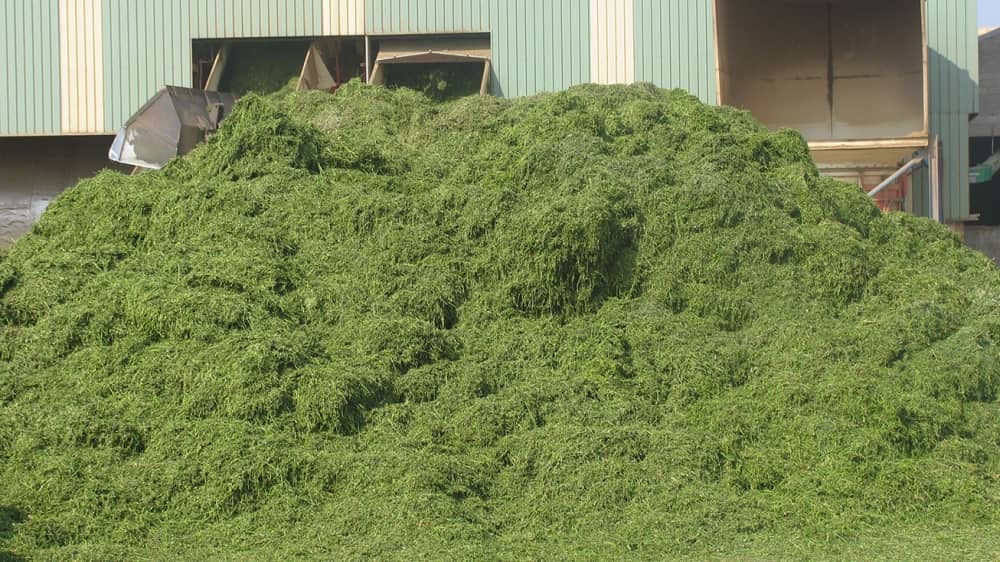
(436, 81)
(604, 323)
(263, 67)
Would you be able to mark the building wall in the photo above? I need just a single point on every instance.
(536, 46)
(92, 63)
(29, 80)
(954, 77)
(675, 45)
(987, 124)
(612, 41)
(147, 43)
(343, 18)
(81, 66)
(393, 17)
(129, 48)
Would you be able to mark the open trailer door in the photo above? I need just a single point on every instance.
(330, 62)
(316, 73)
(850, 75)
(218, 69)
(170, 124)
(432, 51)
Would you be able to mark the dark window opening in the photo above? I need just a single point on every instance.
(984, 198)
(437, 80)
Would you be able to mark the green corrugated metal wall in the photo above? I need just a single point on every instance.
(537, 46)
(540, 46)
(29, 81)
(145, 46)
(954, 77)
(429, 16)
(148, 44)
(675, 45)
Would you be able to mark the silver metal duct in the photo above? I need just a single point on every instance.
(171, 124)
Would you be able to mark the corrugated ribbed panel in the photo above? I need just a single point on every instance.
(953, 129)
(540, 46)
(343, 17)
(147, 43)
(954, 76)
(81, 67)
(385, 17)
(675, 45)
(612, 41)
(536, 45)
(29, 77)
(255, 18)
(954, 55)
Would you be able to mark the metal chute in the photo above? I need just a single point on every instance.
(435, 50)
(316, 71)
(330, 62)
(171, 124)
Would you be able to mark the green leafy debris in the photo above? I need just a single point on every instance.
(606, 323)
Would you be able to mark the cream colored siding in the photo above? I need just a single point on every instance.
(81, 66)
(612, 41)
(343, 17)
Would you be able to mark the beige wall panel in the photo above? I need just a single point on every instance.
(81, 66)
(878, 88)
(794, 104)
(343, 17)
(612, 41)
(889, 106)
(780, 76)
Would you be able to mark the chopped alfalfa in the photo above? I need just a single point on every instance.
(604, 323)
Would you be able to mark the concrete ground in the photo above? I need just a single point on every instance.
(35, 170)
(985, 239)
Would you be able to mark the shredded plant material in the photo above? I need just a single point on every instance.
(436, 81)
(262, 67)
(604, 323)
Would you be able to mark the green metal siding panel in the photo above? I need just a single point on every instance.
(253, 18)
(146, 46)
(972, 51)
(919, 194)
(537, 46)
(30, 80)
(147, 43)
(387, 17)
(954, 55)
(954, 76)
(48, 25)
(675, 45)
(953, 129)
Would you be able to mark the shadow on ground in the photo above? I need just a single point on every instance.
(8, 517)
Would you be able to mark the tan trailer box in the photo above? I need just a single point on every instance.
(850, 75)
(437, 50)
